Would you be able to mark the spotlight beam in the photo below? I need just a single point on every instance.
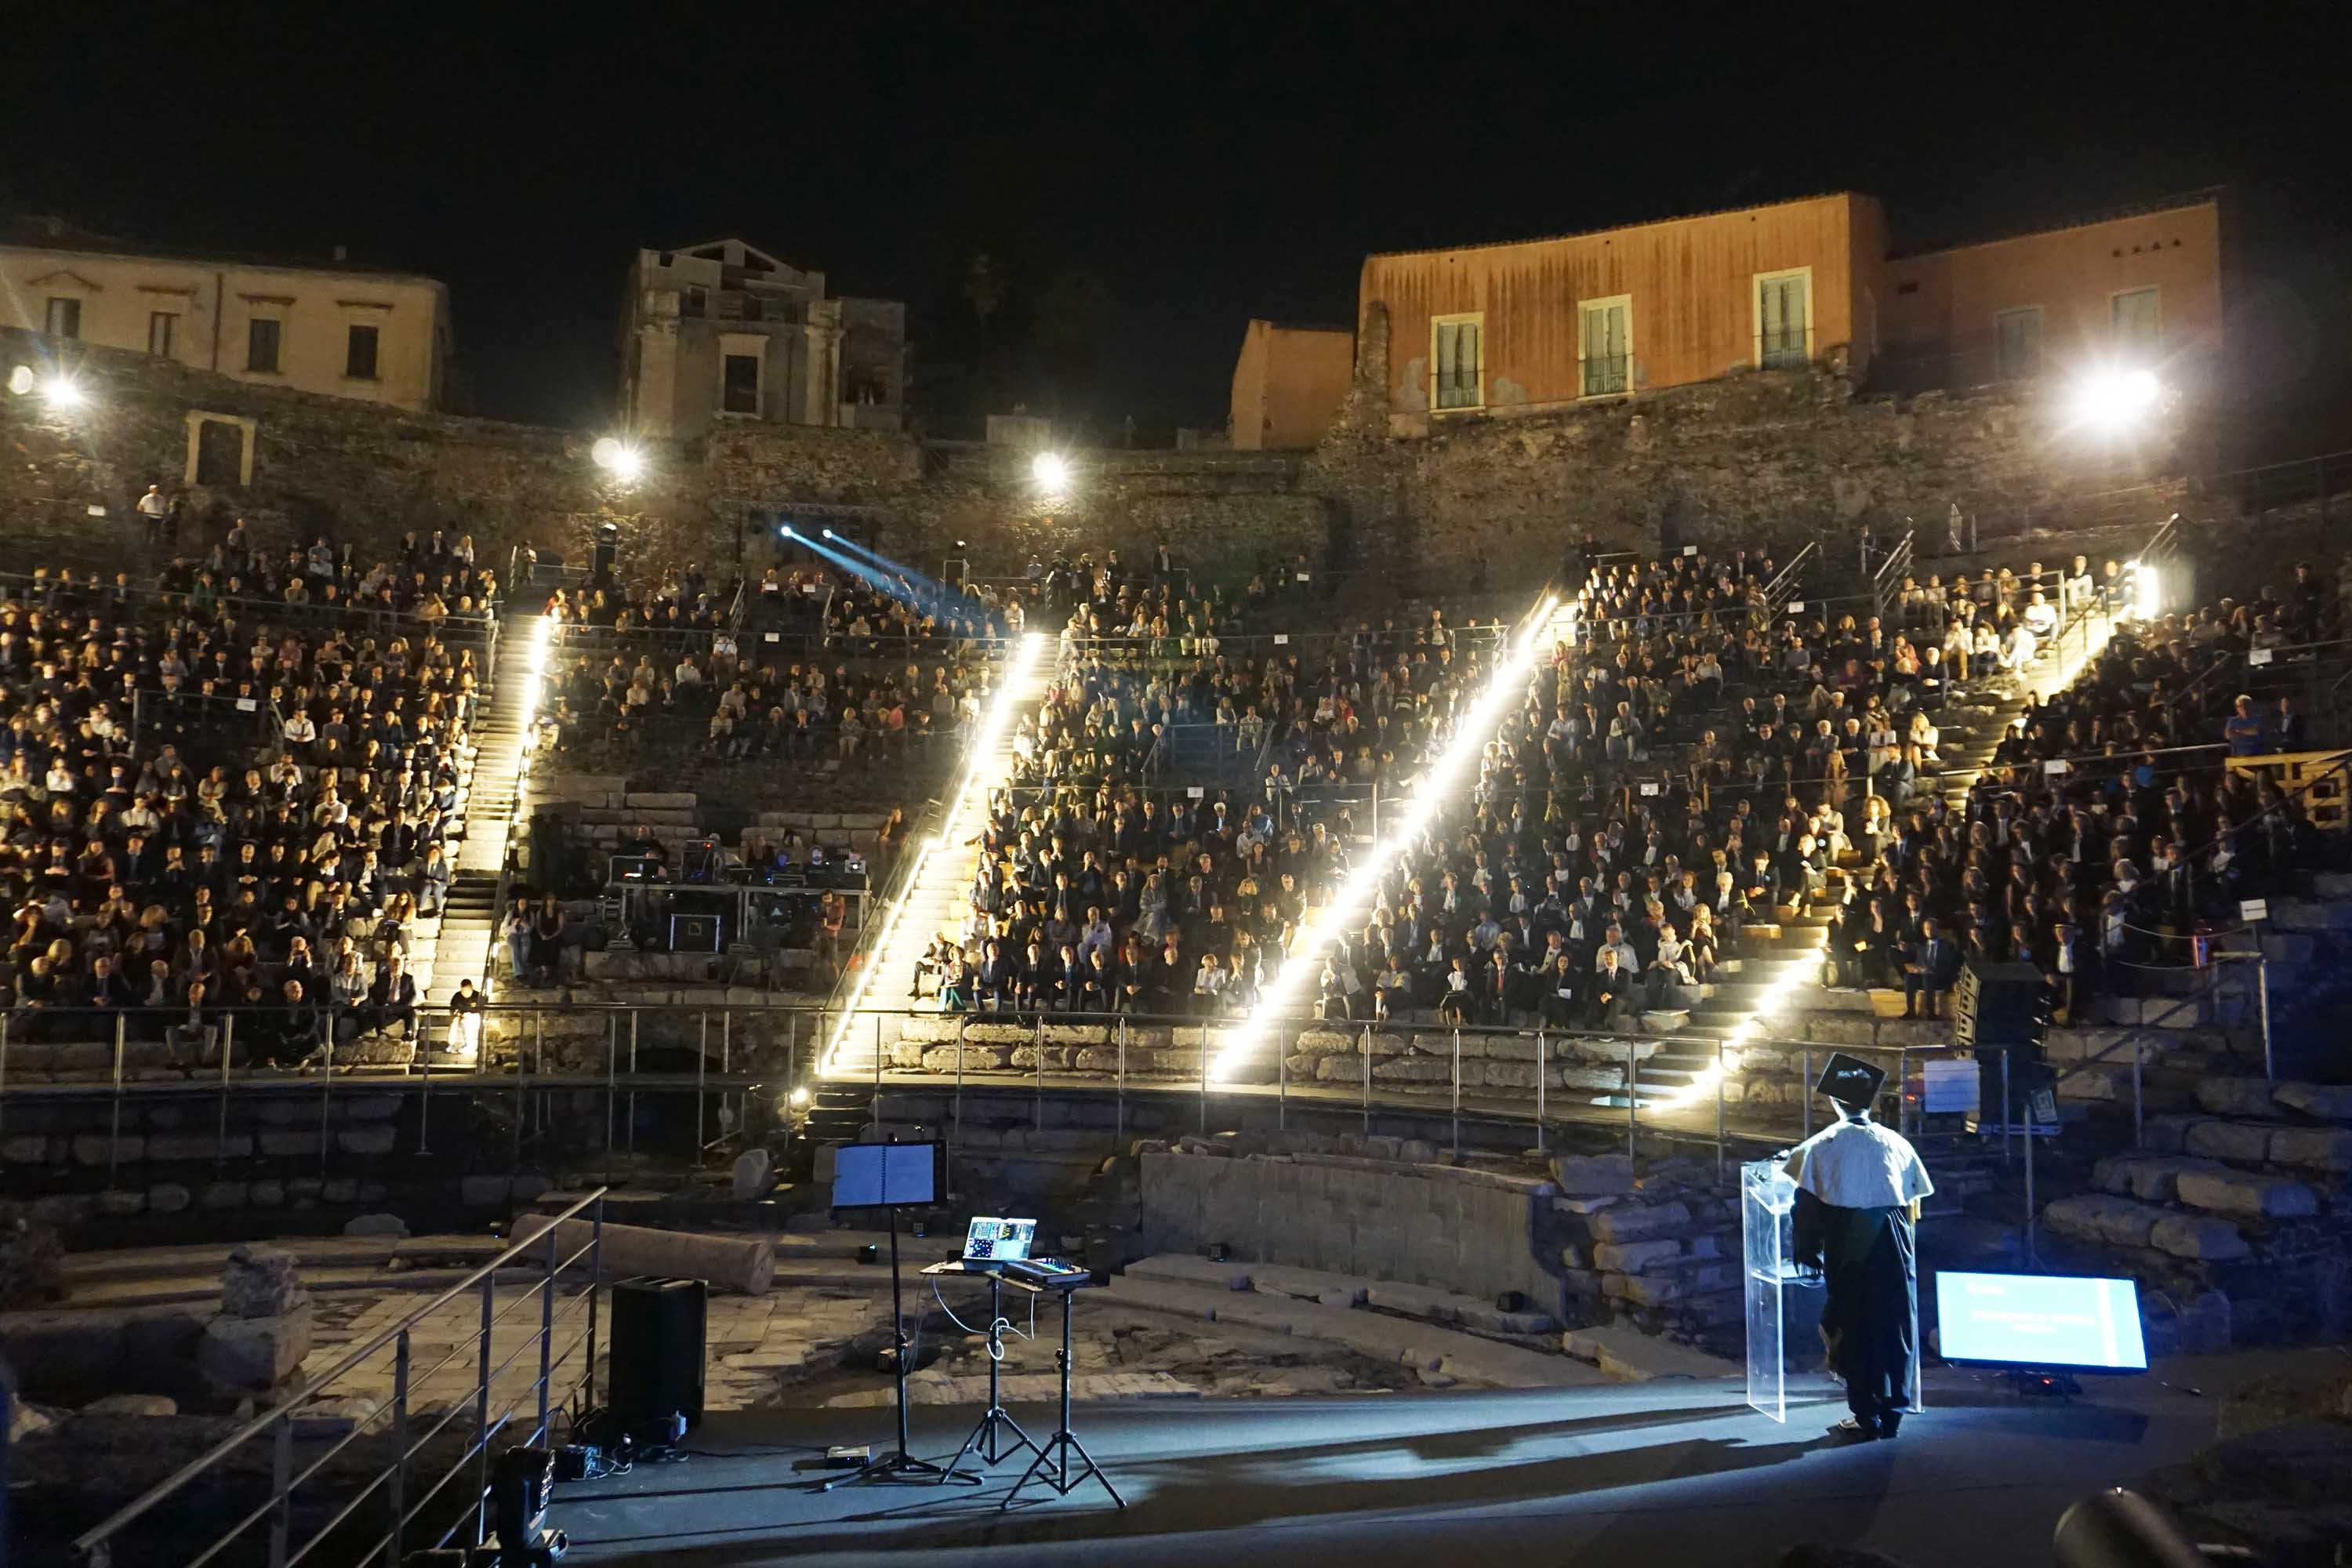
(1285, 994)
(971, 794)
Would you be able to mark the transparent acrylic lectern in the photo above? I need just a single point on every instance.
(1785, 1359)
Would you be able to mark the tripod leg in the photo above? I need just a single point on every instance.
(1027, 1477)
(1091, 1468)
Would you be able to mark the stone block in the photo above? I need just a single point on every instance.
(1593, 1175)
(1634, 1257)
(656, 800)
(389, 1224)
(168, 1197)
(2151, 1178)
(97, 1149)
(267, 1194)
(291, 1145)
(2328, 1102)
(225, 1195)
(2095, 1216)
(752, 1177)
(27, 1149)
(2320, 1148)
(1627, 1222)
(131, 1405)
(1628, 1355)
(255, 1354)
(1412, 1070)
(164, 1146)
(259, 1281)
(2203, 1238)
(2246, 1193)
(2234, 1096)
(2241, 1141)
(121, 1206)
(364, 1140)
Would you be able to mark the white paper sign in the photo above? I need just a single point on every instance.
(2252, 910)
(2056, 766)
(97, 511)
(775, 636)
(248, 705)
(1280, 639)
(1796, 606)
(1194, 791)
(2258, 656)
(1690, 549)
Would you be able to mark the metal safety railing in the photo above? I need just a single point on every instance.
(382, 1482)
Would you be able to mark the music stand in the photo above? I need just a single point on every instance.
(986, 1436)
(891, 1176)
(1063, 1442)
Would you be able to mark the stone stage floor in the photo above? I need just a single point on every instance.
(1672, 1472)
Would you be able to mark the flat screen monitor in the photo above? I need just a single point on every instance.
(885, 1175)
(992, 1240)
(2079, 1323)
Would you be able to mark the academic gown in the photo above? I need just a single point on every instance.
(1855, 1183)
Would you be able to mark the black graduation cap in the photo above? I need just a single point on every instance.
(1851, 1081)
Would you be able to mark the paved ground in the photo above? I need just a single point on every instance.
(1668, 1472)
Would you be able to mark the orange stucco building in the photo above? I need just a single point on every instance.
(1494, 330)
(1288, 382)
(2142, 292)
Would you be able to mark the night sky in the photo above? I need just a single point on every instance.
(1143, 181)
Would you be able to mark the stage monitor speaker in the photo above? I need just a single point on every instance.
(694, 934)
(658, 1350)
(1996, 1005)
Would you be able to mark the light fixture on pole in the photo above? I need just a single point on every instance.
(2117, 400)
(618, 459)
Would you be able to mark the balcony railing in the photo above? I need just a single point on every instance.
(1607, 373)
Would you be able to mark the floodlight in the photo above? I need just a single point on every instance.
(786, 533)
(828, 533)
(618, 459)
(2115, 399)
(1050, 470)
(61, 391)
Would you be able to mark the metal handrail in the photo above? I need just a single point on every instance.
(1784, 585)
(92, 1547)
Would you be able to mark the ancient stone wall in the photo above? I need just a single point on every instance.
(1770, 457)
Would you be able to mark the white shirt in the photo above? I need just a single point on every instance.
(1859, 1165)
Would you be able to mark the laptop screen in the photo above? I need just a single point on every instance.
(993, 1240)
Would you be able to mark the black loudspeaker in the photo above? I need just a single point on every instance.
(657, 1350)
(694, 934)
(1996, 1005)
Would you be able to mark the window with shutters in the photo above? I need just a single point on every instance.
(1457, 364)
(2017, 344)
(359, 353)
(64, 318)
(1605, 345)
(163, 332)
(2135, 321)
(1784, 318)
(262, 336)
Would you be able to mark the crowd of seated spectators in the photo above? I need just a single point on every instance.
(428, 577)
(682, 599)
(1687, 761)
(210, 815)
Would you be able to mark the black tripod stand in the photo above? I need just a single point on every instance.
(898, 1467)
(986, 1437)
(1063, 1442)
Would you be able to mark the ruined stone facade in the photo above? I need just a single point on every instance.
(1768, 457)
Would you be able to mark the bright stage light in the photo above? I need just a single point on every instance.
(618, 459)
(2115, 400)
(786, 533)
(1051, 471)
(61, 391)
(982, 754)
(2148, 590)
(1285, 994)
